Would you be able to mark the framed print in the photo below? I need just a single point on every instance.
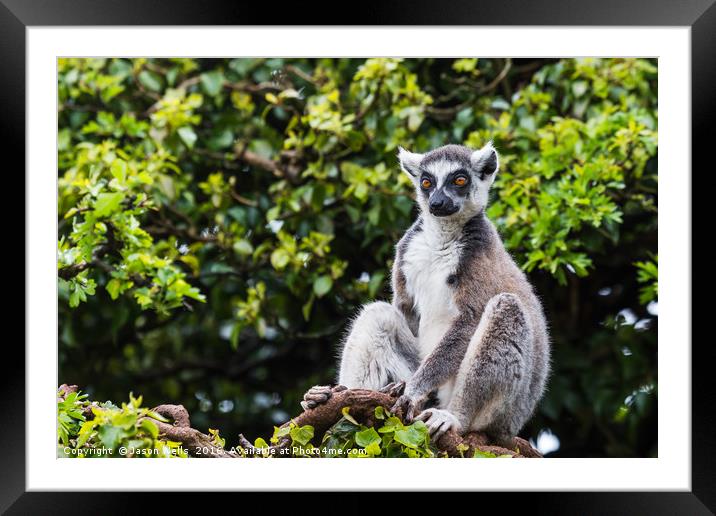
(436, 237)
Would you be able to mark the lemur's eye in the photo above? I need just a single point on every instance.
(426, 183)
(460, 181)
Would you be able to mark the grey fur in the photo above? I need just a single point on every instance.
(456, 153)
(381, 341)
(405, 303)
(491, 358)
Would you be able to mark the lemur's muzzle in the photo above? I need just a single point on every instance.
(441, 205)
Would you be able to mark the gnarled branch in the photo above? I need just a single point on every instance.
(362, 403)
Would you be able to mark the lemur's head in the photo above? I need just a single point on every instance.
(451, 181)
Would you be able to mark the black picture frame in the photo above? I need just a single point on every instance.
(700, 15)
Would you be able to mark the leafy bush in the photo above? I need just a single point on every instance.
(222, 219)
(112, 431)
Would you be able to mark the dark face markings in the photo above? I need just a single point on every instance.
(458, 190)
(447, 197)
(425, 176)
(441, 204)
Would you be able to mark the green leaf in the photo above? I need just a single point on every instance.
(113, 287)
(343, 429)
(393, 424)
(479, 454)
(579, 88)
(151, 427)
(500, 104)
(366, 437)
(346, 414)
(462, 448)
(110, 435)
(373, 449)
(307, 306)
(75, 298)
(301, 435)
(412, 436)
(243, 247)
(187, 135)
(150, 80)
(280, 259)
(279, 432)
(107, 203)
(234, 337)
(119, 170)
(212, 82)
(158, 417)
(322, 285)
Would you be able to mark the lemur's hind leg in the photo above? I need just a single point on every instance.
(492, 377)
(380, 350)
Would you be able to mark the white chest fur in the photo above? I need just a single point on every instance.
(427, 263)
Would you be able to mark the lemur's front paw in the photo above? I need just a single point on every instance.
(407, 406)
(394, 389)
(316, 395)
(439, 421)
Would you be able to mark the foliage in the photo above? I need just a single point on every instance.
(112, 431)
(69, 416)
(130, 432)
(390, 438)
(222, 219)
(565, 172)
(648, 276)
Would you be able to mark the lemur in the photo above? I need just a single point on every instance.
(465, 338)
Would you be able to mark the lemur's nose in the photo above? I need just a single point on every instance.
(436, 204)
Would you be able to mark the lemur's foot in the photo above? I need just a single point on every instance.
(439, 421)
(319, 394)
(393, 389)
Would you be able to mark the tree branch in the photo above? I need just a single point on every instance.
(197, 443)
(449, 112)
(70, 271)
(362, 405)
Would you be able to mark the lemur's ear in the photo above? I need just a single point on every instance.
(485, 161)
(409, 162)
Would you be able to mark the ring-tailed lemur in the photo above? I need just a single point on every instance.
(464, 324)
